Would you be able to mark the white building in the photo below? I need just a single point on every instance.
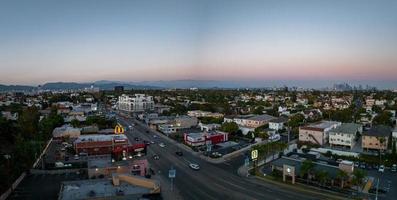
(277, 123)
(136, 103)
(394, 134)
(345, 135)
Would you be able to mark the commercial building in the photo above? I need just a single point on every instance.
(290, 167)
(119, 88)
(66, 131)
(250, 121)
(105, 167)
(345, 135)
(177, 124)
(121, 186)
(200, 113)
(317, 133)
(376, 138)
(202, 138)
(136, 103)
(99, 144)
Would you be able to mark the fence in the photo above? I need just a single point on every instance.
(5, 195)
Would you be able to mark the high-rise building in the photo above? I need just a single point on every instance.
(119, 88)
(135, 103)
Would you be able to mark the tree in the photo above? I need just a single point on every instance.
(296, 120)
(258, 110)
(229, 127)
(383, 119)
(307, 169)
(28, 122)
(75, 123)
(358, 178)
(322, 176)
(342, 176)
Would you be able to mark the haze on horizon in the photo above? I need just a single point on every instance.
(47, 41)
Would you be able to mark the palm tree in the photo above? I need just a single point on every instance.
(358, 178)
(322, 176)
(342, 176)
(307, 168)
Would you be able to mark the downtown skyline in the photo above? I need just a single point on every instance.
(83, 41)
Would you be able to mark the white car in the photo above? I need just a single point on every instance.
(162, 145)
(381, 168)
(194, 166)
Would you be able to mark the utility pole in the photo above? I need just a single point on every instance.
(377, 186)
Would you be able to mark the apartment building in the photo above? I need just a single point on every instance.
(317, 133)
(376, 138)
(250, 121)
(200, 113)
(135, 103)
(345, 135)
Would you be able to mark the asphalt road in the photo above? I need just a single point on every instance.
(212, 181)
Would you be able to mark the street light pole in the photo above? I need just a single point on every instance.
(377, 186)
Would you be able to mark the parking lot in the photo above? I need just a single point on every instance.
(387, 183)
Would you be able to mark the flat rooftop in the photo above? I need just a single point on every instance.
(100, 137)
(347, 128)
(100, 188)
(322, 125)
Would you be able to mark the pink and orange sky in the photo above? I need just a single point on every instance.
(46, 41)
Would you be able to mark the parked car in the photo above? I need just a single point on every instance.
(381, 168)
(393, 168)
(179, 153)
(194, 166)
(362, 165)
(136, 138)
(356, 164)
(76, 157)
(156, 157)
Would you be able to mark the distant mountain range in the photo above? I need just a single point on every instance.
(183, 84)
(4, 88)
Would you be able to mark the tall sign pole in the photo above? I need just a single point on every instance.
(172, 175)
(254, 157)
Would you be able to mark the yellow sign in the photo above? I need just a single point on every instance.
(118, 129)
(254, 154)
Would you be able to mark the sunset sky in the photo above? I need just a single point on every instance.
(74, 40)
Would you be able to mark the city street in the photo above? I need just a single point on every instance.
(211, 181)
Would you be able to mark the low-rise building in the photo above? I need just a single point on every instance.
(200, 113)
(250, 121)
(277, 123)
(104, 167)
(99, 144)
(121, 186)
(66, 131)
(199, 139)
(345, 135)
(317, 133)
(376, 138)
(208, 127)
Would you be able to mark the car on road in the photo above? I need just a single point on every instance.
(393, 168)
(194, 166)
(155, 136)
(216, 155)
(381, 168)
(362, 165)
(146, 142)
(76, 157)
(356, 164)
(162, 145)
(136, 138)
(152, 142)
(156, 157)
(179, 153)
